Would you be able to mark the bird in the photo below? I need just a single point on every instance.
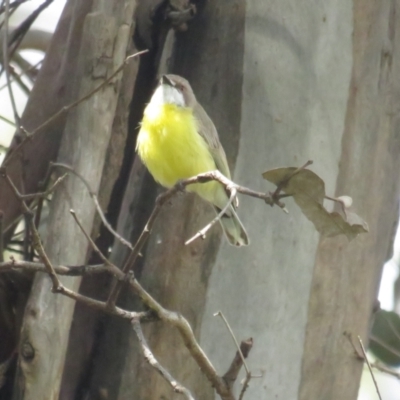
(178, 140)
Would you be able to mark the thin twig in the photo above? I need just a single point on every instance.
(248, 373)
(27, 237)
(71, 270)
(172, 318)
(245, 386)
(202, 233)
(13, 5)
(68, 107)
(96, 202)
(232, 373)
(21, 73)
(149, 357)
(227, 183)
(6, 120)
(386, 370)
(20, 82)
(388, 347)
(185, 330)
(369, 366)
(392, 327)
(37, 243)
(43, 195)
(90, 240)
(220, 314)
(19, 33)
(276, 195)
(6, 61)
(349, 337)
(164, 197)
(81, 270)
(161, 199)
(102, 306)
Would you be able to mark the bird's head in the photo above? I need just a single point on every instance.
(173, 89)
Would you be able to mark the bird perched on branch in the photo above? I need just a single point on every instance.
(178, 140)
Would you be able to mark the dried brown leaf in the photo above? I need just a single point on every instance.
(308, 191)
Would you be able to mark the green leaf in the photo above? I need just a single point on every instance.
(385, 338)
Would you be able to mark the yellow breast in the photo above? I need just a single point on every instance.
(171, 148)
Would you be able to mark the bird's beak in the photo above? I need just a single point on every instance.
(166, 81)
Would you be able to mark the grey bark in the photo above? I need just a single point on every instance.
(284, 82)
(47, 320)
(300, 86)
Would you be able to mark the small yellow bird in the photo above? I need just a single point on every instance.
(178, 140)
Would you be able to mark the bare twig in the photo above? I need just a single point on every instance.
(91, 241)
(245, 386)
(242, 357)
(71, 270)
(13, 265)
(172, 318)
(43, 195)
(187, 335)
(219, 314)
(388, 347)
(96, 202)
(13, 5)
(135, 251)
(37, 243)
(349, 337)
(386, 370)
(102, 306)
(392, 327)
(31, 68)
(68, 107)
(6, 63)
(19, 33)
(202, 232)
(369, 366)
(27, 237)
(161, 199)
(276, 195)
(227, 183)
(6, 120)
(233, 371)
(149, 357)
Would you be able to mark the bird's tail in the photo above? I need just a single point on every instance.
(233, 228)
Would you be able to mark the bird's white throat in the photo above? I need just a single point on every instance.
(167, 94)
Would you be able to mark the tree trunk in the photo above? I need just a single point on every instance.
(284, 82)
(48, 317)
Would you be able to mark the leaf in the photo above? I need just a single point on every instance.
(385, 337)
(308, 191)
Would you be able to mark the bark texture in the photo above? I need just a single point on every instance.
(47, 320)
(284, 82)
(346, 275)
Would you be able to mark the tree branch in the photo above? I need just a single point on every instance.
(202, 233)
(173, 318)
(37, 243)
(71, 270)
(149, 357)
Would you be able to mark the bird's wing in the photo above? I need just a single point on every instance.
(209, 133)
